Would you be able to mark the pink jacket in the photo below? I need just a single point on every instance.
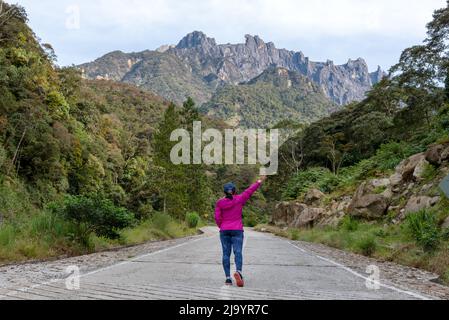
(228, 213)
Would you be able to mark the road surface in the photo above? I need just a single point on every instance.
(274, 268)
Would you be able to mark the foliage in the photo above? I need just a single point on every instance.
(192, 219)
(349, 223)
(423, 227)
(367, 245)
(94, 214)
(269, 99)
(320, 178)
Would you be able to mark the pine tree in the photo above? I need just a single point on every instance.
(199, 195)
(173, 187)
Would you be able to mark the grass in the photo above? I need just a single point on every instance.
(392, 243)
(44, 235)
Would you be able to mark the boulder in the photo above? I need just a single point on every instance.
(307, 217)
(377, 183)
(295, 214)
(368, 205)
(371, 206)
(407, 167)
(396, 180)
(437, 154)
(418, 203)
(420, 169)
(313, 196)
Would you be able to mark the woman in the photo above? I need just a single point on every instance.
(228, 216)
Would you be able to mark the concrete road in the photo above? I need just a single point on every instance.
(274, 268)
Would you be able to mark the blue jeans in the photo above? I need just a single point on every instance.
(232, 241)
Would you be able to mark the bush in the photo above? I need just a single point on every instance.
(349, 224)
(423, 227)
(294, 234)
(320, 178)
(94, 214)
(192, 219)
(250, 218)
(160, 220)
(430, 173)
(367, 246)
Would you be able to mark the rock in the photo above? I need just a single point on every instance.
(371, 206)
(407, 167)
(332, 221)
(445, 224)
(313, 196)
(295, 215)
(368, 205)
(208, 63)
(395, 180)
(426, 188)
(420, 169)
(437, 153)
(307, 217)
(418, 203)
(377, 183)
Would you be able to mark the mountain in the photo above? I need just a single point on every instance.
(275, 95)
(155, 71)
(205, 66)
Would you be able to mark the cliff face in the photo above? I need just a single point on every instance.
(236, 63)
(211, 65)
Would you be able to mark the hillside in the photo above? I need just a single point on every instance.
(162, 73)
(367, 178)
(197, 66)
(275, 95)
(81, 162)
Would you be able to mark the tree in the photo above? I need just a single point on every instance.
(198, 198)
(172, 182)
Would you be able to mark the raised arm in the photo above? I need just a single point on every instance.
(250, 191)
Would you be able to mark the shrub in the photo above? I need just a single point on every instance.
(94, 214)
(192, 219)
(423, 227)
(320, 178)
(294, 234)
(349, 223)
(250, 218)
(367, 245)
(430, 173)
(160, 220)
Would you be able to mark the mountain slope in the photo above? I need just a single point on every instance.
(277, 94)
(162, 73)
(205, 66)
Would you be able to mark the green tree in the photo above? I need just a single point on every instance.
(173, 189)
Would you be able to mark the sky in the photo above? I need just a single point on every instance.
(376, 30)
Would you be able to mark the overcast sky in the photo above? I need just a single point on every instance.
(377, 30)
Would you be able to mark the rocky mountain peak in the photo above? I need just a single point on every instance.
(214, 65)
(196, 39)
(254, 41)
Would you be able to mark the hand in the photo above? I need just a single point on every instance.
(262, 179)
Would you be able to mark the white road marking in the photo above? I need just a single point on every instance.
(25, 289)
(410, 293)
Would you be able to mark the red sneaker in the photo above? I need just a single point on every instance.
(239, 279)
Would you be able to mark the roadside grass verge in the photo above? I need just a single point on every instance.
(45, 235)
(393, 243)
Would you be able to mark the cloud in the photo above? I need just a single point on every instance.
(363, 28)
